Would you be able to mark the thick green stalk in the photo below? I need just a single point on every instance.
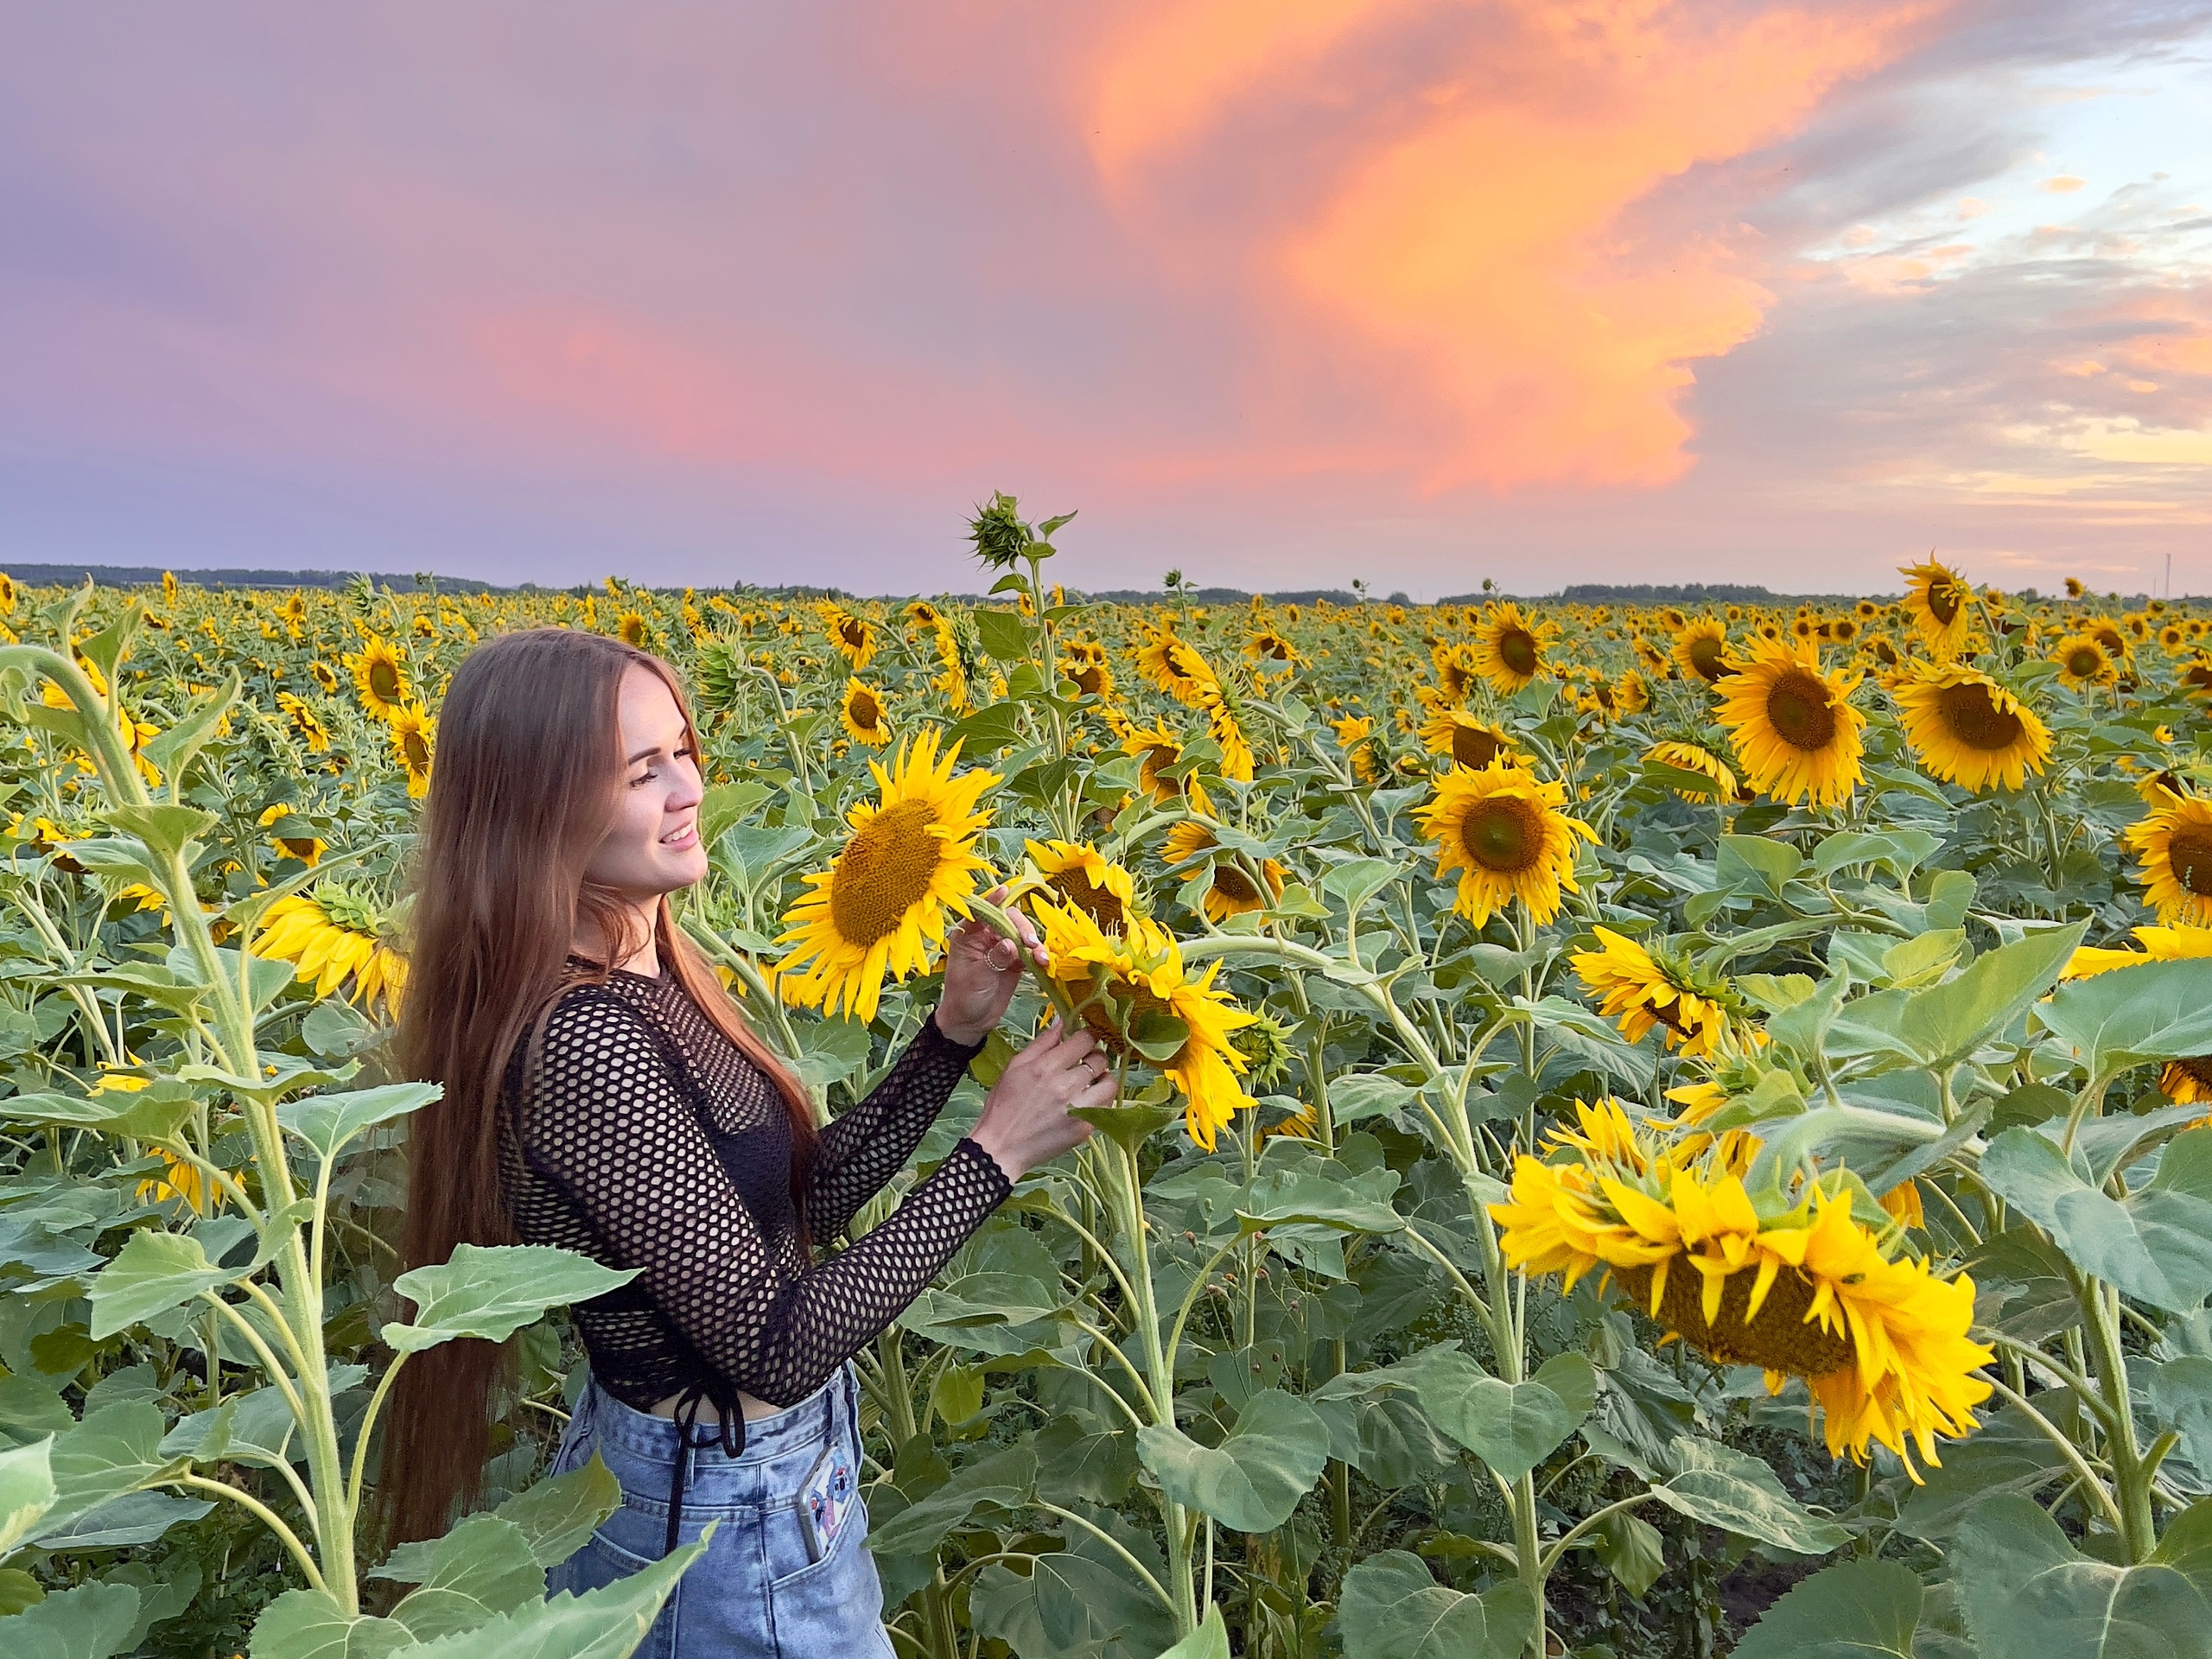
(2131, 1477)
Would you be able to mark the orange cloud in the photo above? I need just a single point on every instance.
(1488, 232)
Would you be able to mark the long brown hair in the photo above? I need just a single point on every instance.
(528, 763)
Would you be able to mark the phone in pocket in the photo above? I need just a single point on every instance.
(825, 1500)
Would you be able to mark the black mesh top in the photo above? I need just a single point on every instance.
(647, 1140)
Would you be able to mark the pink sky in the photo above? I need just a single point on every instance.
(1282, 292)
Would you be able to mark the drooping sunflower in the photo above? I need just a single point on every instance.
(1642, 987)
(2082, 661)
(1792, 1282)
(332, 934)
(414, 739)
(1509, 648)
(853, 637)
(1795, 732)
(1229, 889)
(1228, 735)
(1969, 730)
(1268, 646)
(1082, 876)
(860, 712)
(920, 613)
(1352, 733)
(306, 724)
(1701, 650)
(380, 676)
(1940, 603)
(1175, 667)
(633, 629)
(324, 676)
(1130, 988)
(1502, 828)
(879, 909)
(2174, 842)
(1456, 672)
(1468, 742)
(952, 679)
(1632, 696)
(1691, 757)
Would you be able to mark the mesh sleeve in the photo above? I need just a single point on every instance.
(871, 1142)
(609, 1121)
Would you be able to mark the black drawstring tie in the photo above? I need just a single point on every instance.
(731, 1437)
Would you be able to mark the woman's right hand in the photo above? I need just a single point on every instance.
(1026, 1118)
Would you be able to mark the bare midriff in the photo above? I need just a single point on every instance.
(753, 1410)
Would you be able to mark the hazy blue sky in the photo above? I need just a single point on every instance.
(1280, 291)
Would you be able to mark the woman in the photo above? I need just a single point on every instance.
(602, 1094)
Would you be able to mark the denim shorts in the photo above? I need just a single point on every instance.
(760, 1589)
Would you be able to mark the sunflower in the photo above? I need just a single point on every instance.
(178, 1180)
(881, 907)
(1940, 603)
(1230, 888)
(1791, 1282)
(1228, 733)
(2083, 662)
(1632, 696)
(306, 724)
(1468, 742)
(1502, 829)
(1456, 673)
(1795, 731)
(1969, 730)
(1509, 648)
(860, 714)
(1701, 650)
(1157, 749)
(1088, 668)
(1352, 733)
(1130, 989)
(1268, 646)
(332, 934)
(1079, 874)
(307, 848)
(853, 636)
(1176, 668)
(2174, 841)
(952, 681)
(920, 613)
(1691, 756)
(414, 738)
(380, 676)
(325, 677)
(1645, 987)
(633, 629)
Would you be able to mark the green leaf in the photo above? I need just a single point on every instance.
(2157, 1245)
(1854, 1610)
(2186, 1546)
(2027, 1594)
(492, 1291)
(1737, 1492)
(484, 1566)
(1006, 1480)
(1945, 1023)
(2181, 1396)
(558, 1517)
(164, 829)
(1252, 1480)
(327, 1123)
(1209, 1641)
(1006, 633)
(1128, 1125)
(1391, 1608)
(1158, 1036)
(121, 1522)
(172, 751)
(27, 1490)
(988, 730)
(1368, 1094)
(2007, 1453)
(1631, 1550)
(154, 1113)
(310, 1624)
(1352, 884)
(1512, 1426)
(1361, 1204)
(114, 1452)
(92, 1621)
(1903, 850)
(2156, 1011)
(152, 1274)
(1753, 861)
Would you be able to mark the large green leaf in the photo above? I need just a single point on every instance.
(27, 1490)
(2181, 1395)
(115, 1452)
(1737, 1492)
(92, 1621)
(327, 1123)
(2007, 1453)
(1854, 1610)
(154, 1113)
(483, 1568)
(1512, 1426)
(1006, 1480)
(2155, 1011)
(1945, 1023)
(1074, 1601)
(1252, 1480)
(152, 1274)
(310, 1624)
(557, 1517)
(1392, 1608)
(492, 1291)
(1209, 1641)
(2156, 1245)
(1361, 1205)
(2027, 1594)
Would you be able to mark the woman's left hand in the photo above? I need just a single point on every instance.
(982, 968)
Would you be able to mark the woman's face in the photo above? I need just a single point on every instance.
(654, 845)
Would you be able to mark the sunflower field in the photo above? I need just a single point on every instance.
(1643, 1131)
